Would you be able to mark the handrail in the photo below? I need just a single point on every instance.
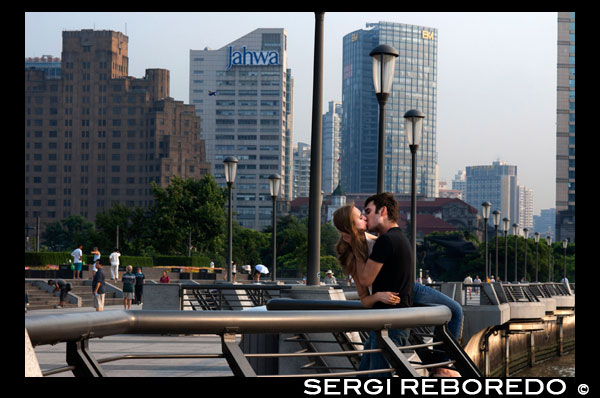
(52, 329)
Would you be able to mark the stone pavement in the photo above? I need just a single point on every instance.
(54, 356)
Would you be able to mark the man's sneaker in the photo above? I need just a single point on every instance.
(58, 306)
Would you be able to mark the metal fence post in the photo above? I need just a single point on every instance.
(79, 356)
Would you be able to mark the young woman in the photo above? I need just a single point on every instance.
(355, 245)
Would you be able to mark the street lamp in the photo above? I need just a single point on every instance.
(505, 225)
(230, 170)
(275, 186)
(565, 244)
(384, 62)
(549, 241)
(486, 216)
(496, 218)
(515, 229)
(414, 124)
(536, 236)
(526, 235)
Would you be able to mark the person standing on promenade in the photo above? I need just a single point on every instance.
(96, 254)
(114, 265)
(164, 278)
(128, 287)
(139, 286)
(77, 264)
(98, 287)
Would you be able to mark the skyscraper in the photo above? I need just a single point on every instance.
(496, 184)
(565, 128)
(332, 121)
(414, 87)
(96, 136)
(241, 95)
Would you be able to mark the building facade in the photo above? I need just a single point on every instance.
(96, 136)
(525, 219)
(242, 93)
(414, 87)
(301, 180)
(496, 184)
(565, 128)
(332, 123)
(49, 64)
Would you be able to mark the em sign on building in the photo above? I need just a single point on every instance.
(243, 94)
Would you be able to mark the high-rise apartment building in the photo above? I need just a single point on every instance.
(331, 129)
(525, 219)
(496, 184)
(242, 93)
(301, 184)
(414, 87)
(96, 136)
(565, 128)
(545, 222)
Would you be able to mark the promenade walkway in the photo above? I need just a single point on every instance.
(53, 356)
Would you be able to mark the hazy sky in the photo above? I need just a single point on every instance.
(496, 73)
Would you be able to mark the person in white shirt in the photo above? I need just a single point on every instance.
(469, 281)
(114, 265)
(77, 265)
(96, 254)
(329, 278)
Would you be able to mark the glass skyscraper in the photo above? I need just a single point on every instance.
(414, 87)
(565, 128)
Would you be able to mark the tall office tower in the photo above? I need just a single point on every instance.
(496, 184)
(331, 147)
(460, 181)
(545, 222)
(96, 136)
(525, 209)
(242, 93)
(49, 64)
(414, 87)
(565, 128)
(301, 170)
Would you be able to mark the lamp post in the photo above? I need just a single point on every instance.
(549, 241)
(515, 229)
(536, 237)
(565, 243)
(486, 216)
(414, 125)
(526, 235)
(275, 186)
(496, 218)
(316, 153)
(505, 225)
(384, 61)
(230, 170)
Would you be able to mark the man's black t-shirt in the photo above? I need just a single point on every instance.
(393, 250)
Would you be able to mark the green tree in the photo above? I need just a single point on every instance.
(248, 244)
(70, 232)
(185, 207)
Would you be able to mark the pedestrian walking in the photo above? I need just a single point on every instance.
(98, 287)
(128, 287)
(139, 286)
(114, 265)
(468, 282)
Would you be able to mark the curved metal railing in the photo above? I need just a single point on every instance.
(76, 329)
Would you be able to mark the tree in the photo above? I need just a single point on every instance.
(185, 207)
(70, 232)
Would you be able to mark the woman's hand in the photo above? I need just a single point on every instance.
(390, 298)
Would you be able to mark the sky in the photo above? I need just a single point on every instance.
(496, 73)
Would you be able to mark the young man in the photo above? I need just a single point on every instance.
(114, 265)
(77, 262)
(387, 269)
(98, 287)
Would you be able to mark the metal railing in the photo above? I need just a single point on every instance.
(217, 297)
(77, 329)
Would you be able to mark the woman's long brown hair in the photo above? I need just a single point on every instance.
(347, 253)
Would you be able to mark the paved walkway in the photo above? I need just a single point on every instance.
(54, 356)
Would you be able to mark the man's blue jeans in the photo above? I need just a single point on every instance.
(421, 295)
(425, 295)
